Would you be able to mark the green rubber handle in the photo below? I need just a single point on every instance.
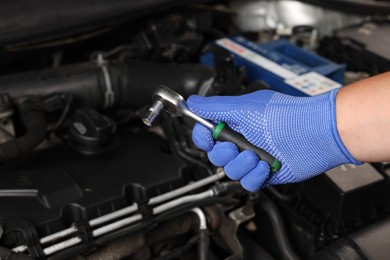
(222, 132)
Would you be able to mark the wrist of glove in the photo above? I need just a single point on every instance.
(300, 132)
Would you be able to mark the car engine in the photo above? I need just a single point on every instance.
(83, 178)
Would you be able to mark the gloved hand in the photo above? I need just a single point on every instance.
(300, 132)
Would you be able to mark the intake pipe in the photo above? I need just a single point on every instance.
(104, 84)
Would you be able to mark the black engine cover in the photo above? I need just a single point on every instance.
(57, 187)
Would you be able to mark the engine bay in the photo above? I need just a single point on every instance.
(84, 178)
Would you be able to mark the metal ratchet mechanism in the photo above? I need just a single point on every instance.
(166, 99)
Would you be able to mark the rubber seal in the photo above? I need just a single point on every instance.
(217, 130)
(276, 165)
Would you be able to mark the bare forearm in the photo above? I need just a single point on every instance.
(363, 118)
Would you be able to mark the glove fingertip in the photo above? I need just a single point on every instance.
(202, 137)
(255, 178)
(241, 165)
(222, 153)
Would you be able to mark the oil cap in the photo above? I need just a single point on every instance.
(90, 132)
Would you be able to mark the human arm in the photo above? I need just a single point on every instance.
(363, 118)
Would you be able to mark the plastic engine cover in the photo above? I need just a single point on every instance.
(57, 187)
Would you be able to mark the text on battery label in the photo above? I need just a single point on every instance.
(313, 84)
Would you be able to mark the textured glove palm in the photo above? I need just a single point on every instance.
(300, 132)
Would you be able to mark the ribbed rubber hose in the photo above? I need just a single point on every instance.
(132, 82)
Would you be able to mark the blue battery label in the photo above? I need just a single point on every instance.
(291, 74)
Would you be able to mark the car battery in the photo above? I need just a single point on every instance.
(284, 66)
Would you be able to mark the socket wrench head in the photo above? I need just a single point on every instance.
(167, 99)
(172, 101)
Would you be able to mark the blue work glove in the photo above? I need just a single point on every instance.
(300, 132)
